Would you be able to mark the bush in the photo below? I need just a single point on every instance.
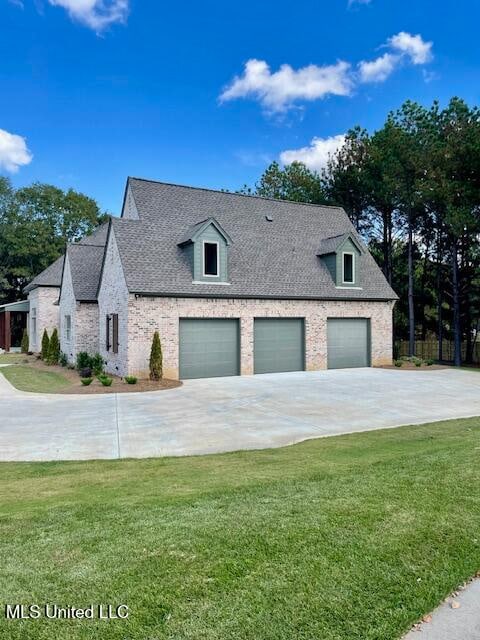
(418, 363)
(86, 381)
(429, 362)
(130, 379)
(84, 361)
(398, 363)
(45, 345)
(106, 381)
(54, 349)
(24, 344)
(63, 359)
(156, 358)
(96, 363)
(86, 372)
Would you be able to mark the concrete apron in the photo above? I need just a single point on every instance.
(227, 414)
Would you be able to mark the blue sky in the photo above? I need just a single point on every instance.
(95, 90)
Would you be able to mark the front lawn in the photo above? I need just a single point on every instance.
(346, 538)
(13, 358)
(28, 378)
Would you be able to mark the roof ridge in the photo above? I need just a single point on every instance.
(240, 195)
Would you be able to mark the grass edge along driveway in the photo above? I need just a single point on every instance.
(27, 378)
(346, 538)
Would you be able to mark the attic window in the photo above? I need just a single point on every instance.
(210, 258)
(348, 268)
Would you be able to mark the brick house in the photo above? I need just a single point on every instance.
(234, 284)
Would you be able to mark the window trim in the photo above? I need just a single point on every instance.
(68, 327)
(210, 275)
(348, 253)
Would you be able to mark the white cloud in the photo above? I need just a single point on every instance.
(96, 14)
(415, 47)
(379, 69)
(316, 155)
(277, 91)
(13, 151)
(353, 2)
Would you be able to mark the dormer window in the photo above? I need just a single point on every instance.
(348, 268)
(210, 259)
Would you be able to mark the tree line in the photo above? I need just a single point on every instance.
(412, 190)
(36, 223)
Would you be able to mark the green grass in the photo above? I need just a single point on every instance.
(345, 538)
(12, 358)
(28, 378)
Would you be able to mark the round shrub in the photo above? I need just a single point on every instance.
(106, 381)
(86, 372)
(130, 379)
(398, 363)
(87, 381)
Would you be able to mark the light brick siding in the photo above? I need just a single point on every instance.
(145, 315)
(44, 301)
(113, 298)
(83, 321)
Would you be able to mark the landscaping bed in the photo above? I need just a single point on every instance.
(352, 537)
(28, 373)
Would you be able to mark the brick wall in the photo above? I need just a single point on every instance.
(113, 298)
(145, 315)
(44, 300)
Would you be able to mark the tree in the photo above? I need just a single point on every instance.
(36, 222)
(156, 358)
(24, 344)
(45, 346)
(54, 348)
(294, 182)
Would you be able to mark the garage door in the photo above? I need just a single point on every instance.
(348, 342)
(279, 345)
(208, 348)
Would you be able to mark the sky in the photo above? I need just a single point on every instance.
(209, 93)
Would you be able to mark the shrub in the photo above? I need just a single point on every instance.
(45, 345)
(54, 349)
(84, 361)
(96, 363)
(24, 344)
(106, 381)
(398, 363)
(63, 359)
(86, 372)
(429, 362)
(130, 379)
(156, 358)
(86, 381)
(418, 363)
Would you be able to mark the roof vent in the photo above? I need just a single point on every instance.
(269, 218)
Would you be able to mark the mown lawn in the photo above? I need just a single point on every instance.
(12, 358)
(28, 378)
(345, 538)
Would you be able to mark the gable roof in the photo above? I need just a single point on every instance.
(195, 230)
(267, 259)
(52, 275)
(85, 262)
(333, 244)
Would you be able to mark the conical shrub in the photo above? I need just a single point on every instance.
(24, 344)
(156, 358)
(54, 349)
(45, 345)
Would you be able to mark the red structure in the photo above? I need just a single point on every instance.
(13, 321)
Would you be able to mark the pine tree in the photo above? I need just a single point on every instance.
(156, 358)
(45, 345)
(54, 349)
(24, 344)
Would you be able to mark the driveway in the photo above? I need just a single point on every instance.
(226, 414)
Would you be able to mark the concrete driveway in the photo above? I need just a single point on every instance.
(225, 414)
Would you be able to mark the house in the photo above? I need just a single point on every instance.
(13, 322)
(234, 284)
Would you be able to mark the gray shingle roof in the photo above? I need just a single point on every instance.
(330, 245)
(85, 266)
(52, 275)
(49, 277)
(276, 259)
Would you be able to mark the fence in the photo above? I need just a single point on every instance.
(429, 349)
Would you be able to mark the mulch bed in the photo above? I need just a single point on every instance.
(409, 366)
(96, 387)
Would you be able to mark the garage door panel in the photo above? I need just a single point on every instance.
(278, 345)
(208, 347)
(348, 343)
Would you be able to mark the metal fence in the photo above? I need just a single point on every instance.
(428, 349)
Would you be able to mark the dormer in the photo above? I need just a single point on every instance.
(206, 245)
(340, 255)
